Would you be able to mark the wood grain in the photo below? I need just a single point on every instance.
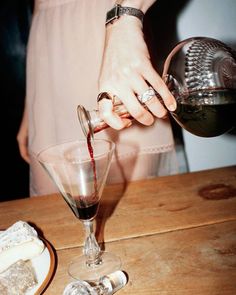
(142, 208)
(175, 234)
(193, 261)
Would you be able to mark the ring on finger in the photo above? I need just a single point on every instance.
(106, 95)
(147, 95)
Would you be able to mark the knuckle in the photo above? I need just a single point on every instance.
(137, 64)
(132, 66)
(126, 70)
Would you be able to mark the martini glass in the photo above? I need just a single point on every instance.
(79, 170)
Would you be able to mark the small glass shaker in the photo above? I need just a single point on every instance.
(91, 122)
(107, 285)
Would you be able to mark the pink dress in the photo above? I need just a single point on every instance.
(64, 58)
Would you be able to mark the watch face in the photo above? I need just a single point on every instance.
(119, 10)
(112, 14)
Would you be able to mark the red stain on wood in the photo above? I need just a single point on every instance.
(218, 192)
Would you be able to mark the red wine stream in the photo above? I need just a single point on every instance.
(85, 206)
(90, 149)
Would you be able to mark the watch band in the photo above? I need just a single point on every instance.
(119, 10)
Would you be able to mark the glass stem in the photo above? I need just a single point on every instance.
(91, 248)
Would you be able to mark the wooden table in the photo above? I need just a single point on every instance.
(175, 234)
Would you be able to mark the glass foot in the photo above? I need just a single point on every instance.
(78, 269)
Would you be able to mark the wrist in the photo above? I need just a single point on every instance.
(142, 5)
(119, 11)
(125, 22)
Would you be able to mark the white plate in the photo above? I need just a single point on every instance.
(43, 265)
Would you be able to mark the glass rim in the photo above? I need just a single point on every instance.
(84, 141)
(85, 120)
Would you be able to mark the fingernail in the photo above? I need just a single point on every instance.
(172, 107)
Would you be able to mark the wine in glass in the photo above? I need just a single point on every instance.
(79, 170)
(201, 74)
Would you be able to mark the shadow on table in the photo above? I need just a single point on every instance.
(108, 204)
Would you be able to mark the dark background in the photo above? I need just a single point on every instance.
(161, 36)
(15, 18)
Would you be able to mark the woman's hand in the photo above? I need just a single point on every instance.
(22, 138)
(127, 72)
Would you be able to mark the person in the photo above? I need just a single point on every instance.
(72, 57)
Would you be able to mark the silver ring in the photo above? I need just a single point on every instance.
(147, 95)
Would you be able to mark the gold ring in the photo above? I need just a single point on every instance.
(105, 95)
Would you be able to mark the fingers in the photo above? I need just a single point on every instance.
(110, 117)
(22, 137)
(24, 152)
(150, 99)
(140, 101)
(132, 87)
(22, 140)
(127, 72)
(159, 85)
(156, 107)
(133, 105)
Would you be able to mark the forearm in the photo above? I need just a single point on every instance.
(143, 5)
